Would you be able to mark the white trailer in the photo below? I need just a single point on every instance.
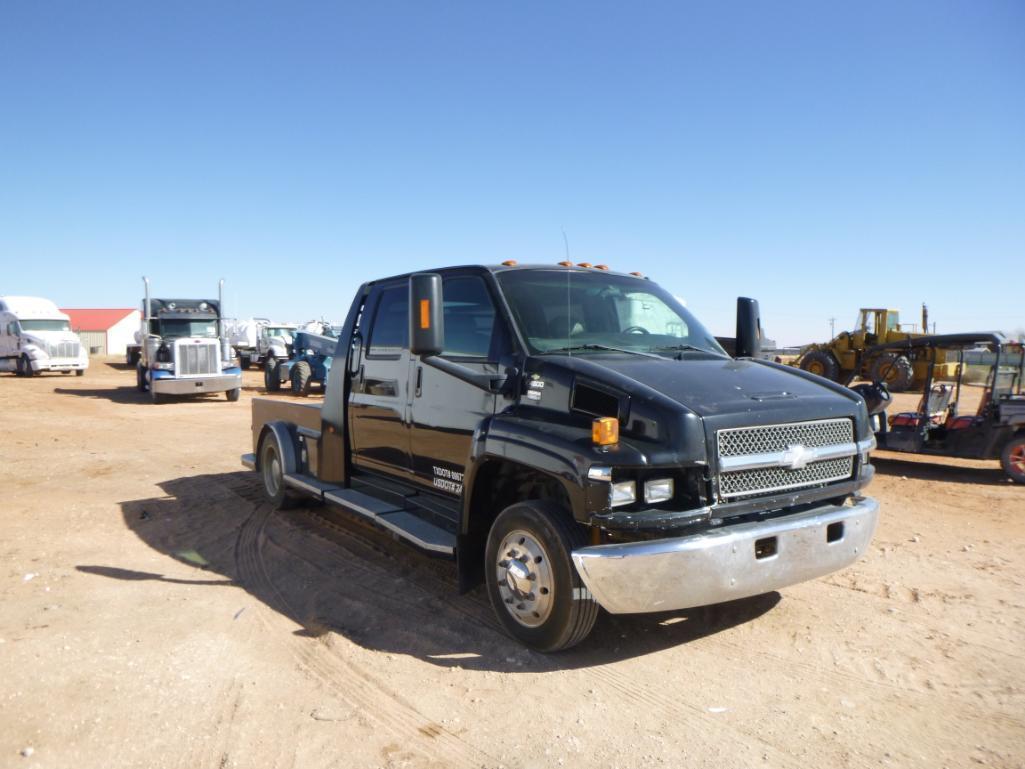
(35, 336)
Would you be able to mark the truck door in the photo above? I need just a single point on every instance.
(379, 399)
(446, 410)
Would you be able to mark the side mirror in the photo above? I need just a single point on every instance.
(426, 319)
(749, 328)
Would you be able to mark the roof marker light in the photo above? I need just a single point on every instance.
(565, 264)
(638, 274)
(509, 263)
(584, 264)
(601, 267)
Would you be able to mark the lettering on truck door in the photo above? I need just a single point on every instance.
(447, 410)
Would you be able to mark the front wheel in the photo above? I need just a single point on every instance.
(140, 378)
(25, 366)
(533, 586)
(271, 377)
(1012, 459)
(301, 376)
(80, 372)
(233, 395)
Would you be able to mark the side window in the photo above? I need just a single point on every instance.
(469, 317)
(389, 330)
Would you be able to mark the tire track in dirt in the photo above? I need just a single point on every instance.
(362, 692)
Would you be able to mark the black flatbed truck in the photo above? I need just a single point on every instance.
(575, 438)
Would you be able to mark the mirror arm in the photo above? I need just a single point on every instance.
(487, 382)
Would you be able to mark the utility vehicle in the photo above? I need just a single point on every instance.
(575, 438)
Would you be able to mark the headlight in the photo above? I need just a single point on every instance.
(623, 493)
(658, 490)
(162, 366)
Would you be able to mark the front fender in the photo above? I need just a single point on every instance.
(562, 452)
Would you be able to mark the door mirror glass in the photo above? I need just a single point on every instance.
(426, 318)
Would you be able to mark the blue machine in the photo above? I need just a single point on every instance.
(308, 365)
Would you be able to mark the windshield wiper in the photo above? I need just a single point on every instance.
(679, 348)
(591, 346)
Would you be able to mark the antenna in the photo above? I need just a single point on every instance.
(569, 271)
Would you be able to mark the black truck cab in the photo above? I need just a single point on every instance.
(574, 437)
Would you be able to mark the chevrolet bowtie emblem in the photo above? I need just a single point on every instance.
(797, 456)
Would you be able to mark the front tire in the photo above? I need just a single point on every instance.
(821, 363)
(271, 377)
(80, 372)
(244, 362)
(233, 395)
(140, 378)
(301, 376)
(25, 366)
(1012, 459)
(533, 585)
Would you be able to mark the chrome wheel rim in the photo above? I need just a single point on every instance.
(271, 471)
(525, 581)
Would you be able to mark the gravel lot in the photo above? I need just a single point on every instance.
(154, 613)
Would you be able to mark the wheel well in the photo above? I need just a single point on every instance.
(497, 484)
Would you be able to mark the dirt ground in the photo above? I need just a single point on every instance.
(154, 613)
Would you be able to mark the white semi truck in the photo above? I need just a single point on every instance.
(35, 336)
(258, 340)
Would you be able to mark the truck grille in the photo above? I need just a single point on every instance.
(774, 458)
(64, 350)
(192, 359)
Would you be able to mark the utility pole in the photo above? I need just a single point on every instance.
(832, 328)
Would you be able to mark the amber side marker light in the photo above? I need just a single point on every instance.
(509, 263)
(605, 431)
(425, 313)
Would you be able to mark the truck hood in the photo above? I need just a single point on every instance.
(44, 338)
(722, 391)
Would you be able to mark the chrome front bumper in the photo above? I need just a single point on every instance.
(190, 385)
(728, 563)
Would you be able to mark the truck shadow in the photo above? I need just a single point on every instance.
(939, 471)
(132, 395)
(330, 574)
(113, 394)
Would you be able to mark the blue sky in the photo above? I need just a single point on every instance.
(818, 156)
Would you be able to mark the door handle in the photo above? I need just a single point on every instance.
(419, 380)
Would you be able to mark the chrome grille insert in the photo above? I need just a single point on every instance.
(64, 350)
(196, 359)
(773, 458)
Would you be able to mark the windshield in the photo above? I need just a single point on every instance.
(282, 331)
(45, 325)
(173, 329)
(564, 309)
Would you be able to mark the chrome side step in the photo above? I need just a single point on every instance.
(403, 523)
(396, 519)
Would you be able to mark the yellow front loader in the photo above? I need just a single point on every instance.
(846, 358)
